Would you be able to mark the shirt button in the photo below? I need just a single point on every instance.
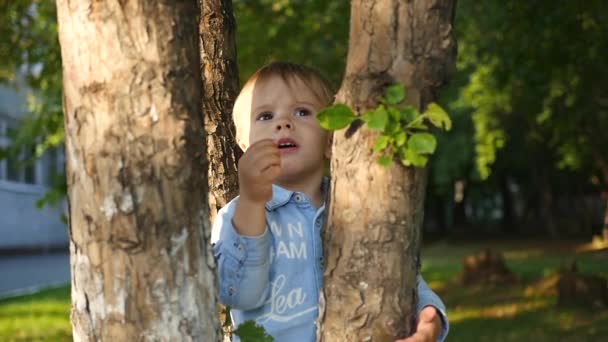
(298, 198)
(231, 290)
(240, 248)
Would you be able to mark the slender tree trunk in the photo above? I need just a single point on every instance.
(547, 212)
(605, 221)
(142, 269)
(508, 215)
(603, 166)
(372, 240)
(221, 85)
(460, 207)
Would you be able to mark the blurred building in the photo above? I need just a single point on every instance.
(23, 226)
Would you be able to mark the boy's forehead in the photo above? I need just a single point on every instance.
(268, 89)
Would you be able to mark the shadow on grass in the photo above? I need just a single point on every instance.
(545, 324)
(523, 311)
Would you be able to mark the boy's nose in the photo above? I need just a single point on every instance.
(284, 124)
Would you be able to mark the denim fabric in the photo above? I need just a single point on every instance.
(275, 278)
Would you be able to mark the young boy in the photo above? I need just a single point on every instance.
(267, 241)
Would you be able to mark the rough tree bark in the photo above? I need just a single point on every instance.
(221, 85)
(372, 238)
(135, 147)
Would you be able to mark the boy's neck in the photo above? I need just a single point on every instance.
(310, 186)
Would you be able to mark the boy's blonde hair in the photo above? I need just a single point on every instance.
(289, 73)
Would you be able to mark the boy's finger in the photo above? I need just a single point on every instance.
(272, 172)
(263, 152)
(427, 314)
(256, 160)
(266, 158)
(263, 162)
(262, 143)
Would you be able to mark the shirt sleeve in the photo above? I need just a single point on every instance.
(429, 298)
(243, 262)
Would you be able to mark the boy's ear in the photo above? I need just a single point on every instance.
(240, 141)
(241, 144)
(330, 140)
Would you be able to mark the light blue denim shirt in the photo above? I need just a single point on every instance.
(275, 279)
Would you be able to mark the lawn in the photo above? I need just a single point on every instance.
(525, 311)
(44, 316)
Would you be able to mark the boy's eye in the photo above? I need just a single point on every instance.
(302, 112)
(264, 116)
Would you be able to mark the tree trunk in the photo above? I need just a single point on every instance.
(508, 223)
(460, 206)
(372, 239)
(141, 266)
(547, 212)
(221, 85)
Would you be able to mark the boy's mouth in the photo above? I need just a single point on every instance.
(287, 145)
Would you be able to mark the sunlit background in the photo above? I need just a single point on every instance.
(517, 191)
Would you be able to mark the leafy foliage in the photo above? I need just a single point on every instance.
(31, 60)
(530, 88)
(251, 332)
(544, 76)
(312, 32)
(401, 127)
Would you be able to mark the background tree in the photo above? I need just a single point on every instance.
(141, 265)
(375, 214)
(499, 91)
(221, 87)
(535, 90)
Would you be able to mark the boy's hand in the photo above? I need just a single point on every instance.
(258, 168)
(428, 328)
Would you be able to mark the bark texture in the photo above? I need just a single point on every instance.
(221, 83)
(142, 268)
(373, 232)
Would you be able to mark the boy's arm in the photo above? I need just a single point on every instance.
(243, 262)
(429, 298)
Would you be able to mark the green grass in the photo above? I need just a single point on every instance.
(44, 316)
(525, 311)
(520, 312)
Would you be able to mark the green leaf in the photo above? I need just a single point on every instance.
(394, 113)
(419, 125)
(413, 158)
(438, 116)
(400, 139)
(381, 143)
(377, 119)
(385, 161)
(395, 93)
(393, 128)
(251, 332)
(336, 117)
(409, 114)
(422, 143)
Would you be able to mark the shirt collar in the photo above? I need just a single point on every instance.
(280, 196)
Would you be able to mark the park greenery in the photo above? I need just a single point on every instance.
(527, 153)
(529, 101)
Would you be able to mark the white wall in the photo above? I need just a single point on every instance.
(22, 224)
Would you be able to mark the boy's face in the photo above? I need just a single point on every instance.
(287, 114)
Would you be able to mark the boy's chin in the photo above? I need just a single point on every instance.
(291, 173)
